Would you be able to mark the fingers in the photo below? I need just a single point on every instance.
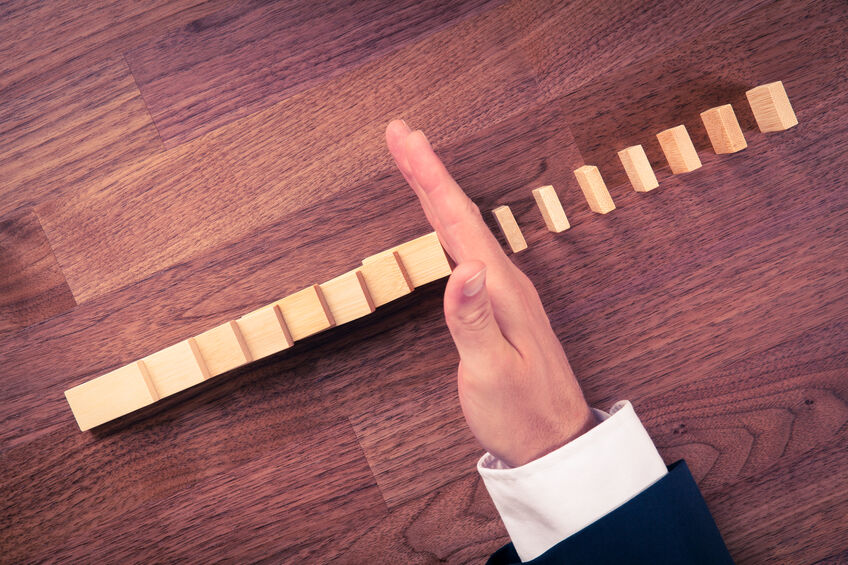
(396, 134)
(471, 319)
(460, 225)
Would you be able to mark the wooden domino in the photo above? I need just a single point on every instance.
(638, 168)
(723, 128)
(386, 277)
(510, 228)
(347, 297)
(176, 368)
(771, 107)
(223, 348)
(424, 259)
(111, 395)
(265, 332)
(551, 209)
(678, 149)
(305, 312)
(593, 187)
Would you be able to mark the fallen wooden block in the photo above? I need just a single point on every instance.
(510, 228)
(723, 128)
(593, 187)
(176, 368)
(347, 297)
(386, 277)
(771, 107)
(305, 312)
(223, 348)
(111, 395)
(265, 332)
(678, 149)
(551, 209)
(424, 259)
(638, 168)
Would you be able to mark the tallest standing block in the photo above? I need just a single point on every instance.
(771, 107)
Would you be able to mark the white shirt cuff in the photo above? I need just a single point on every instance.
(549, 499)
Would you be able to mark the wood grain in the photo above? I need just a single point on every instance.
(717, 303)
(32, 286)
(249, 56)
(325, 138)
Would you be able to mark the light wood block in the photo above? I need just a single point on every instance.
(424, 259)
(638, 168)
(306, 312)
(678, 149)
(594, 189)
(551, 209)
(176, 368)
(347, 297)
(723, 128)
(223, 348)
(111, 395)
(771, 107)
(386, 277)
(265, 332)
(510, 228)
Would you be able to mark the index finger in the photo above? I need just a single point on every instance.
(461, 227)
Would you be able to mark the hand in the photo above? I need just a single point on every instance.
(516, 388)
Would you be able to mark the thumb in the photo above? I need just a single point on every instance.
(470, 317)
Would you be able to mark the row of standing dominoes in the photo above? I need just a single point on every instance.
(380, 279)
(771, 109)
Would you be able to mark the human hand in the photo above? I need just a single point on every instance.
(516, 388)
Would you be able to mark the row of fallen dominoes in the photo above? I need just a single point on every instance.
(380, 279)
(387, 276)
(772, 111)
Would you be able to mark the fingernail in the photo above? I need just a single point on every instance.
(404, 124)
(427, 141)
(475, 284)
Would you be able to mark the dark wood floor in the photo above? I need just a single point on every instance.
(167, 166)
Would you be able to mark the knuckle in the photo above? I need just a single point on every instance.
(476, 319)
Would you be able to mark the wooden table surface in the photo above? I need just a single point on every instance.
(168, 166)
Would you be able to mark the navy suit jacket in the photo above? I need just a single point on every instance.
(667, 523)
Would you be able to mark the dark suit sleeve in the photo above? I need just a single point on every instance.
(667, 523)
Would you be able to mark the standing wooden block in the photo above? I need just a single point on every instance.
(223, 348)
(111, 395)
(593, 187)
(424, 259)
(347, 297)
(678, 149)
(265, 332)
(771, 107)
(510, 228)
(551, 209)
(638, 168)
(723, 129)
(306, 312)
(386, 277)
(176, 368)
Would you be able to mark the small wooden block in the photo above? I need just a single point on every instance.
(551, 208)
(111, 395)
(306, 312)
(510, 228)
(723, 129)
(593, 187)
(223, 348)
(771, 107)
(347, 297)
(265, 332)
(678, 149)
(424, 259)
(386, 277)
(176, 368)
(638, 168)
